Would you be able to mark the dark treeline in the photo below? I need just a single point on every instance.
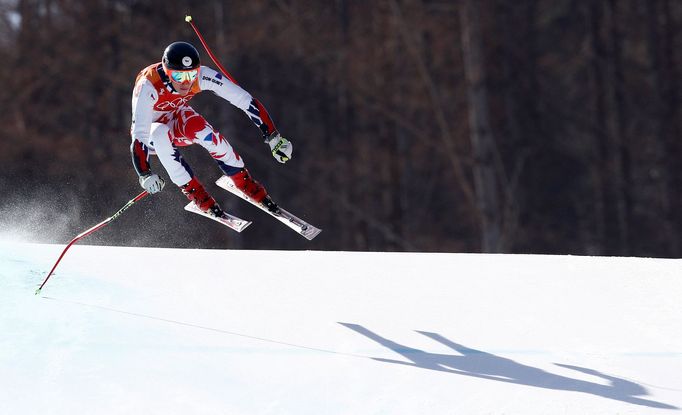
(539, 126)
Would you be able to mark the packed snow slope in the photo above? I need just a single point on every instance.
(166, 331)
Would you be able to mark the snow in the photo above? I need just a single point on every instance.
(165, 331)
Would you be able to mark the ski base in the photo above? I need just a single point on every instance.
(301, 227)
(228, 220)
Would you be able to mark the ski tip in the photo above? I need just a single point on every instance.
(188, 18)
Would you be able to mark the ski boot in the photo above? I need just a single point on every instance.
(196, 193)
(254, 190)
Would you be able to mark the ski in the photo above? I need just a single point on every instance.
(228, 220)
(302, 227)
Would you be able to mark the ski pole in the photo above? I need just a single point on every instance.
(188, 19)
(89, 231)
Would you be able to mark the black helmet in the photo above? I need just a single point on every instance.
(180, 56)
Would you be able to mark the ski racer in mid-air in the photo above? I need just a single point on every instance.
(162, 121)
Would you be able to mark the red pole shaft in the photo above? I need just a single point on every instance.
(188, 19)
(88, 232)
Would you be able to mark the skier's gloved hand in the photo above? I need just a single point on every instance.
(280, 147)
(152, 183)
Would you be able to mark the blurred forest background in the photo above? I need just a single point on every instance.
(516, 126)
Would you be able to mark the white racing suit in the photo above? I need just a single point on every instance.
(162, 121)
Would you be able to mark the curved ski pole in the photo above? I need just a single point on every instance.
(188, 19)
(89, 231)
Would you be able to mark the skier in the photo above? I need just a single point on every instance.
(163, 121)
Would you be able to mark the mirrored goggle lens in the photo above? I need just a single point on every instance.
(184, 76)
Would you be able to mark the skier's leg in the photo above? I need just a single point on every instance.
(233, 167)
(193, 126)
(179, 171)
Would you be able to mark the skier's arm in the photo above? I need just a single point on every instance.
(214, 81)
(144, 97)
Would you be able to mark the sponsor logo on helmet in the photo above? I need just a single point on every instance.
(187, 61)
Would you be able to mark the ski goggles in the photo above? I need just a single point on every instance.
(184, 76)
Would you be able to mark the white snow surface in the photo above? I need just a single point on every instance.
(122, 330)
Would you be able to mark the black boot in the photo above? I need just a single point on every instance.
(270, 205)
(216, 211)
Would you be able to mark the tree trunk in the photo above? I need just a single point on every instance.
(660, 125)
(598, 155)
(480, 132)
(618, 152)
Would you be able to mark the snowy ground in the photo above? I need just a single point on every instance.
(160, 331)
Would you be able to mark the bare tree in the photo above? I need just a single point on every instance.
(486, 182)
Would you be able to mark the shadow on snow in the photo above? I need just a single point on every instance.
(479, 364)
